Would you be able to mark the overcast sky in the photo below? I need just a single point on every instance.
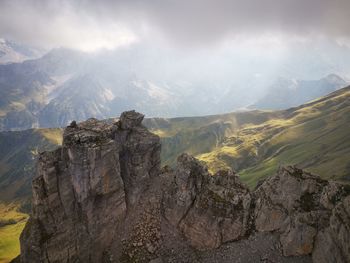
(89, 25)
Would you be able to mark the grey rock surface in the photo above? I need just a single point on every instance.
(102, 197)
(209, 210)
(333, 243)
(82, 190)
(299, 206)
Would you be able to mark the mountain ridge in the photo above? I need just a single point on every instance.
(195, 135)
(122, 207)
(215, 138)
(255, 142)
(287, 93)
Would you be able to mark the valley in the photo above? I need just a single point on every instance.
(314, 136)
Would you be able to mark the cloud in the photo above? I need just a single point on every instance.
(110, 23)
(58, 23)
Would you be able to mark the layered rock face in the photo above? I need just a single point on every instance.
(82, 190)
(102, 197)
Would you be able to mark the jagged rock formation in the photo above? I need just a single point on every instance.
(209, 210)
(302, 207)
(102, 197)
(82, 190)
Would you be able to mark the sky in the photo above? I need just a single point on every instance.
(209, 24)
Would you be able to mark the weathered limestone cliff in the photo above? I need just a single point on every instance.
(102, 197)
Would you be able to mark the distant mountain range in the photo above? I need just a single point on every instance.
(11, 52)
(286, 93)
(65, 85)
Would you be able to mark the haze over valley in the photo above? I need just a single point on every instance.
(66, 85)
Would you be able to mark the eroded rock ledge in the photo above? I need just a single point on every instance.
(102, 197)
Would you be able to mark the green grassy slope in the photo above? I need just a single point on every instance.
(12, 222)
(314, 136)
(196, 135)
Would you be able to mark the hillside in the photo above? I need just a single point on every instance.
(197, 135)
(12, 222)
(314, 136)
(18, 152)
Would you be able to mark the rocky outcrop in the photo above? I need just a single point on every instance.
(209, 210)
(298, 205)
(82, 191)
(102, 197)
(332, 243)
